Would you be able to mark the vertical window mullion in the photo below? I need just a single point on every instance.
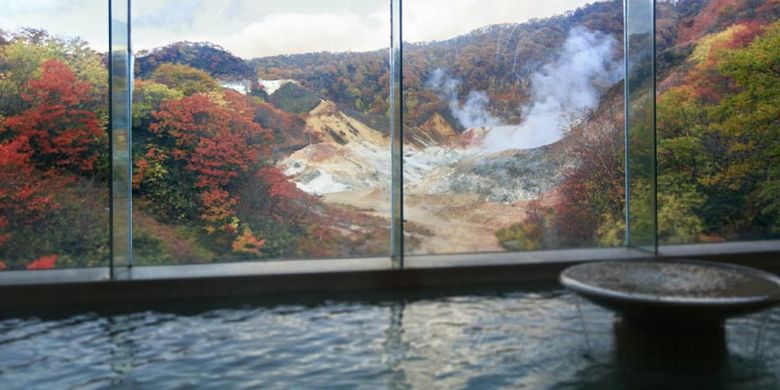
(640, 137)
(120, 87)
(396, 134)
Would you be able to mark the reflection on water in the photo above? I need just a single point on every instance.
(529, 339)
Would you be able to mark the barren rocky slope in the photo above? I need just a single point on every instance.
(455, 195)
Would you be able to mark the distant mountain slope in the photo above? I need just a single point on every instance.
(497, 59)
(208, 57)
(682, 24)
(716, 15)
(329, 115)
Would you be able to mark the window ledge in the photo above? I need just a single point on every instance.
(54, 288)
(521, 258)
(719, 249)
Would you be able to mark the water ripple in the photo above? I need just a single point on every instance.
(519, 339)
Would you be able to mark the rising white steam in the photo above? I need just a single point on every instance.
(472, 113)
(585, 66)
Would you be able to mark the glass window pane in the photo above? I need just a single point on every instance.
(718, 144)
(54, 164)
(513, 125)
(120, 64)
(260, 130)
(640, 125)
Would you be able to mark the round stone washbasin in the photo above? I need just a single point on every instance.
(673, 290)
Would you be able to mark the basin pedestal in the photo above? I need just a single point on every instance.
(670, 309)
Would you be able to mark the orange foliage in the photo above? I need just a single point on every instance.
(595, 188)
(218, 141)
(53, 136)
(3, 225)
(744, 35)
(706, 81)
(248, 243)
(43, 262)
(279, 186)
(575, 220)
(700, 25)
(141, 165)
(59, 130)
(24, 193)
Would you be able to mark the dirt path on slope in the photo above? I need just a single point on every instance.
(441, 223)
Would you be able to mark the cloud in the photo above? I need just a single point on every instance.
(427, 20)
(288, 33)
(173, 15)
(252, 28)
(86, 19)
(12, 6)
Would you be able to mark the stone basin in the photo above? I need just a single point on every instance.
(687, 292)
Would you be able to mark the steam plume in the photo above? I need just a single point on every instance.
(472, 113)
(585, 67)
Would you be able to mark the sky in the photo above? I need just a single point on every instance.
(256, 28)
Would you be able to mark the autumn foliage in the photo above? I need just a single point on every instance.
(46, 146)
(717, 147)
(43, 262)
(206, 162)
(216, 143)
(25, 193)
(206, 185)
(61, 133)
(590, 199)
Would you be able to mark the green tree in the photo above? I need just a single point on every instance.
(749, 121)
(184, 78)
(21, 59)
(147, 97)
(719, 139)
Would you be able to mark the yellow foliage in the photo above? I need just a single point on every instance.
(248, 243)
(704, 49)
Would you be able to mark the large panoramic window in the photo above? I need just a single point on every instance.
(513, 125)
(219, 131)
(260, 130)
(54, 168)
(717, 121)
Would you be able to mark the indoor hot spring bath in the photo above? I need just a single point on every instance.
(538, 338)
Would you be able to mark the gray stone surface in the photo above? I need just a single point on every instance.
(672, 279)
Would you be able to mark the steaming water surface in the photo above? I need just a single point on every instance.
(489, 339)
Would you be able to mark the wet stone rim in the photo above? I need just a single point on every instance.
(673, 281)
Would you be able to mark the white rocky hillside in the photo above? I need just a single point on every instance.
(351, 156)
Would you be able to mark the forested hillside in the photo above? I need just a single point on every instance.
(53, 153)
(718, 135)
(496, 59)
(719, 123)
(513, 140)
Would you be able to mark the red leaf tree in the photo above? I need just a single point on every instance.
(217, 142)
(26, 195)
(62, 132)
